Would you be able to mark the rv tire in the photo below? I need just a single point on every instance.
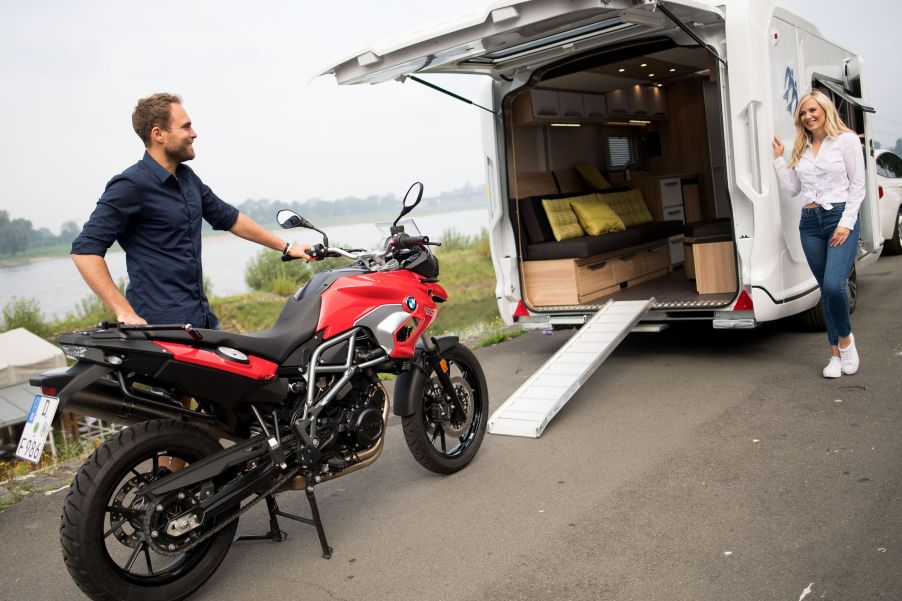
(893, 246)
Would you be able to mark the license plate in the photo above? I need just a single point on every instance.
(37, 428)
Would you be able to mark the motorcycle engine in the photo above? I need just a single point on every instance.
(357, 423)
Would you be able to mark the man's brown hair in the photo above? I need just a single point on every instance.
(151, 112)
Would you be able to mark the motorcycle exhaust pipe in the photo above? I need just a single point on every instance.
(104, 400)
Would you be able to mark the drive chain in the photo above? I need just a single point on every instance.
(213, 531)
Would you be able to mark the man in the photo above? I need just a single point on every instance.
(154, 210)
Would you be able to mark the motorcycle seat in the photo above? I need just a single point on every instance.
(295, 326)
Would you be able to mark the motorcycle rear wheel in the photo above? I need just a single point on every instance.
(104, 545)
(447, 448)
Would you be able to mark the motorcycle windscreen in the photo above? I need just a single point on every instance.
(503, 37)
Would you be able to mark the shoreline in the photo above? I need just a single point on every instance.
(12, 261)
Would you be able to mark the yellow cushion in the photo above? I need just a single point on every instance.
(596, 217)
(562, 219)
(629, 206)
(593, 178)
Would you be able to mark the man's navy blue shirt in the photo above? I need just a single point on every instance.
(156, 218)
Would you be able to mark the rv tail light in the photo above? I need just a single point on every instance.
(48, 391)
(521, 310)
(879, 191)
(744, 302)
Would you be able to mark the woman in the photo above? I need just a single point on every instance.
(827, 168)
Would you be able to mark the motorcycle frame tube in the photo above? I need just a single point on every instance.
(409, 385)
(348, 369)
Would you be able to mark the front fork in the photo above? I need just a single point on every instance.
(451, 408)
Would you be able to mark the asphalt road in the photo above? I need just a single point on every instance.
(695, 465)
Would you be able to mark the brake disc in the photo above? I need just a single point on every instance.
(465, 394)
(129, 515)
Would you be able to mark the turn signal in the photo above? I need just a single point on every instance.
(744, 302)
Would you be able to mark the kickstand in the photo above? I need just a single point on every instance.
(276, 534)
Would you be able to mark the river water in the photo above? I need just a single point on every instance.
(58, 287)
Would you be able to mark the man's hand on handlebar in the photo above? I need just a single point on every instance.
(299, 251)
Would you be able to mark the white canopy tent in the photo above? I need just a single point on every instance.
(22, 355)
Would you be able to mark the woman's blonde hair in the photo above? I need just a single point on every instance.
(834, 124)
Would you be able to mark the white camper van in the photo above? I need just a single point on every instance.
(666, 111)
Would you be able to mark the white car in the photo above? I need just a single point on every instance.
(889, 182)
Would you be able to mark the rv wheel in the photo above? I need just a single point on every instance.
(893, 246)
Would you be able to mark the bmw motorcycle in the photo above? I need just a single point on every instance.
(153, 511)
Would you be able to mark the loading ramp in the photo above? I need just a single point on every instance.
(531, 407)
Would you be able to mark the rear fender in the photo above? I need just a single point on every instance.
(68, 382)
(409, 385)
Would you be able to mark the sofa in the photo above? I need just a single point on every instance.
(583, 268)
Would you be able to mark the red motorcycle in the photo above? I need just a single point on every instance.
(153, 511)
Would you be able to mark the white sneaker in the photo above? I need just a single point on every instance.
(834, 368)
(849, 357)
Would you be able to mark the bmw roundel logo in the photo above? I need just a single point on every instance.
(411, 303)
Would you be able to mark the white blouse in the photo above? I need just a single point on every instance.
(836, 175)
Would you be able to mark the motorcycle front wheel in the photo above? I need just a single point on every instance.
(445, 446)
(104, 542)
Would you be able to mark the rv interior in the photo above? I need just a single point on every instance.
(644, 117)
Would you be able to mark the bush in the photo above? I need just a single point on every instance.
(24, 313)
(268, 273)
(451, 239)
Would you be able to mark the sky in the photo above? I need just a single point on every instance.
(268, 128)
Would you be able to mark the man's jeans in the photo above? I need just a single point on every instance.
(831, 266)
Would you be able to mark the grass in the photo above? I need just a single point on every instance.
(471, 313)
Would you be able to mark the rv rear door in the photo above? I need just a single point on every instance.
(505, 37)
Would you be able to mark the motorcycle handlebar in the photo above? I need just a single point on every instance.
(405, 241)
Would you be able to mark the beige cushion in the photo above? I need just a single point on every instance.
(596, 217)
(562, 219)
(629, 206)
(592, 176)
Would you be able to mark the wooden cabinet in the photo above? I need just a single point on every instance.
(577, 281)
(541, 106)
(595, 106)
(618, 102)
(672, 198)
(637, 98)
(545, 103)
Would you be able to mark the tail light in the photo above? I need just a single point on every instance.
(521, 310)
(48, 391)
(744, 302)
(879, 191)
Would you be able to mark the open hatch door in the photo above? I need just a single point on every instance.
(509, 36)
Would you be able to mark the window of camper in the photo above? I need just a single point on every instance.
(622, 150)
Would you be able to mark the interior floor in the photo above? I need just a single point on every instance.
(673, 290)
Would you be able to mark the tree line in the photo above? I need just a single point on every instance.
(19, 235)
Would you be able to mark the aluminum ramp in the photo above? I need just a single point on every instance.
(529, 410)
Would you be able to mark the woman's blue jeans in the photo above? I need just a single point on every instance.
(831, 266)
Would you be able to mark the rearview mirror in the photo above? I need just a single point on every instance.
(289, 219)
(411, 199)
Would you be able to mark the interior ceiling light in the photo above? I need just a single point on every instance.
(621, 70)
(639, 122)
(644, 65)
(673, 70)
(565, 124)
(660, 85)
(651, 74)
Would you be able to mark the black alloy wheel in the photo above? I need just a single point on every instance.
(446, 446)
(104, 534)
